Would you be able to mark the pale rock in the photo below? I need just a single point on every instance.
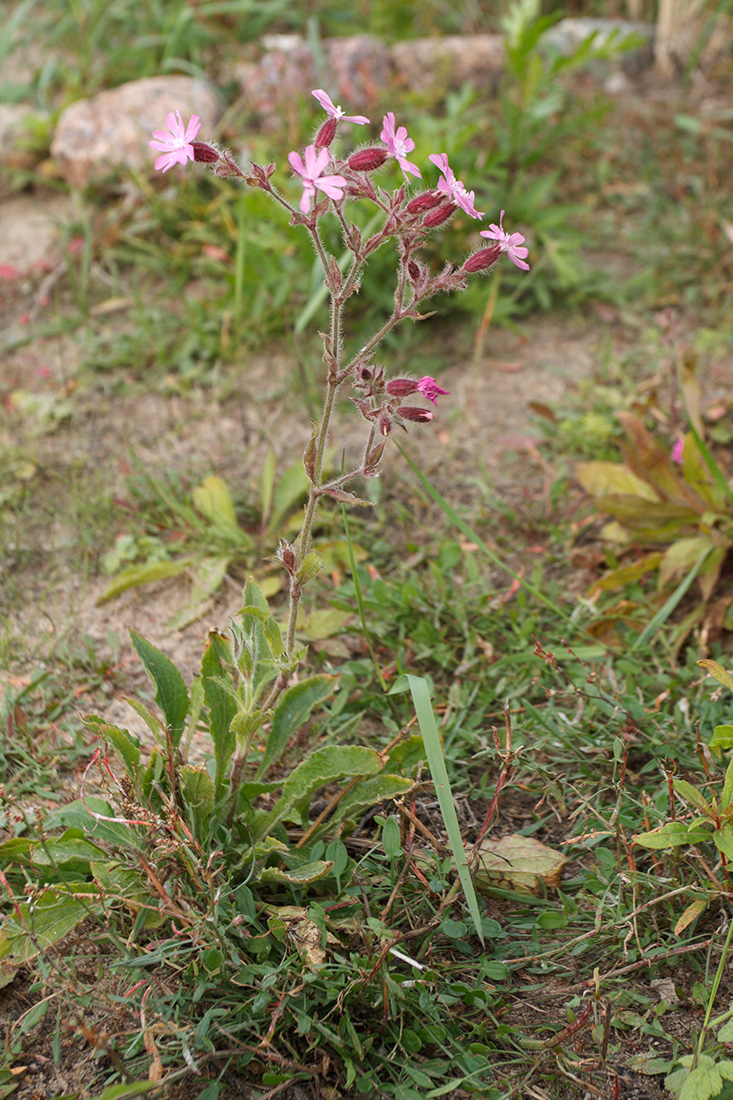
(96, 137)
(353, 70)
(449, 61)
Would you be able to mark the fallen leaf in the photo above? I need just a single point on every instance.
(519, 863)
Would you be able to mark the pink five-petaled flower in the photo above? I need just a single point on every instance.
(175, 142)
(399, 145)
(429, 388)
(454, 188)
(335, 112)
(312, 177)
(511, 243)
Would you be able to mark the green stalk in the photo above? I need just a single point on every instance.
(713, 993)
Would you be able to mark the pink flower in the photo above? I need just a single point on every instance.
(508, 242)
(454, 188)
(429, 388)
(174, 143)
(335, 112)
(678, 451)
(399, 144)
(312, 176)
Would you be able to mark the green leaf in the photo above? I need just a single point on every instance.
(68, 852)
(604, 478)
(298, 876)
(254, 640)
(671, 835)
(221, 704)
(724, 841)
(322, 767)
(721, 740)
(436, 762)
(171, 694)
(702, 1083)
(198, 793)
(45, 921)
(153, 723)
(324, 622)
(135, 575)
(80, 815)
(291, 712)
(127, 1091)
(391, 841)
(366, 794)
(691, 794)
(727, 792)
(125, 745)
(214, 501)
(310, 567)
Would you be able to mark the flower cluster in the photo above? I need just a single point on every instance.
(409, 219)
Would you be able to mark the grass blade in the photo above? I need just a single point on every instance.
(436, 760)
(664, 612)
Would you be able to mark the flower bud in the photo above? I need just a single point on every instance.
(413, 270)
(204, 153)
(401, 387)
(439, 215)
(366, 160)
(424, 201)
(413, 412)
(482, 259)
(326, 134)
(385, 422)
(285, 555)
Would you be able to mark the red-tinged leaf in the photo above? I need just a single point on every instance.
(716, 670)
(649, 462)
(691, 913)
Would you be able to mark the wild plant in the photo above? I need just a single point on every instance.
(201, 851)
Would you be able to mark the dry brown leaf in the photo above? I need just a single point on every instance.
(519, 863)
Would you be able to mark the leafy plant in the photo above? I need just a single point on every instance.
(197, 811)
(654, 503)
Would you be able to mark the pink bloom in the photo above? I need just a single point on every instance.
(678, 451)
(312, 176)
(454, 188)
(399, 145)
(335, 112)
(429, 388)
(509, 242)
(175, 143)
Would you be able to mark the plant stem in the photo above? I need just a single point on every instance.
(713, 993)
